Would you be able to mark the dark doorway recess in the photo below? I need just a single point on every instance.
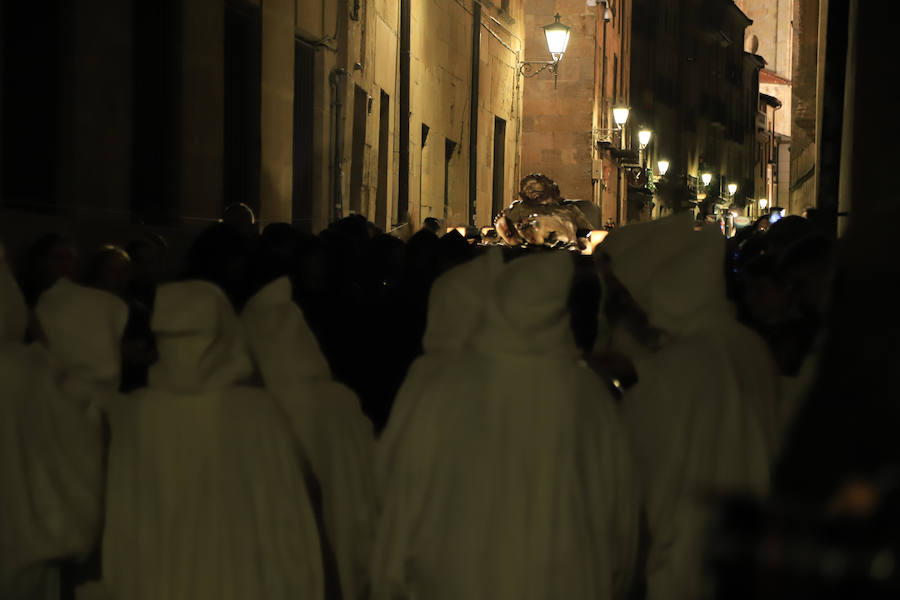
(384, 156)
(304, 119)
(499, 197)
(243, 62)
(357, 151)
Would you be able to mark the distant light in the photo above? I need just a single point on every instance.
(620, 115)
(763, 203)
(734, 213)
(706, 177)
(644, 136)
(732, 188)
(663, 166)
(461, 230)
(594, 238)
(557, 36)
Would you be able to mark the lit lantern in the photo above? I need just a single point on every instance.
(557, 36)
(620, 115)
(662, 166)
(732, 188)
(644, 136)
(763, 203)
(706, 177)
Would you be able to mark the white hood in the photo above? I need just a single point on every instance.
(13, 311)
(457, 302)
(83, 328)
(527, 310)
(198, 337)
(327, 421)
(676, 274)
(276, 330)
(506, 473)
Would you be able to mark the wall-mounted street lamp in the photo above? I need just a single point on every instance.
(662, 166)
(557, 36)
(706, 178)
(620, 115)
(644, 136)
(763, 203)
(732, 188)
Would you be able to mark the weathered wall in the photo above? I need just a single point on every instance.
(804, 104)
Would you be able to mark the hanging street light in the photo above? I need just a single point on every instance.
(662, 166)
(763, 203)
(732, 188)
(557, 36)
(706, 178)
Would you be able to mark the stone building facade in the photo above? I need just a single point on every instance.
(162, 113)
(565, 117)
(697, 89)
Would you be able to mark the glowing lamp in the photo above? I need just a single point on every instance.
(644, 136)
(732, 188)
(706, 177)
(763, 203)
(662, 166)
(620, 115)
(557, 36)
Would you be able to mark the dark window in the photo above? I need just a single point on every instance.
(243, 60)
(357, 151)
(499, 199)
(304, 119)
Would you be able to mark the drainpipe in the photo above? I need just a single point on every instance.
(473, 113)
(337, 132)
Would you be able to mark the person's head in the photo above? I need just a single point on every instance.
(221, 255)
(148, 259)
(431, 224)
(50, 258)
(109, 269)
(241, 218)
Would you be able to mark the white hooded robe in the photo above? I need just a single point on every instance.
(507, 474)
(327, 419)
(206, 496)
(703, 416)
(51, 458)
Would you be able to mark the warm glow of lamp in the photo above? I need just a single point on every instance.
(644, 136)
(594, 238)
(763, 203)
(732, 188)
(706, 178)
(557, 36)
(662, 166)
(620, 115)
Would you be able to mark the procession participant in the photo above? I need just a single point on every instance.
(206, 496)
(326, 418)
(51, 460)
(703, 413)
(505, 468)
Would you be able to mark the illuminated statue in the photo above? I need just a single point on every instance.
(539, 217)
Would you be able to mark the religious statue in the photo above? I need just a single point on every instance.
(540, 217)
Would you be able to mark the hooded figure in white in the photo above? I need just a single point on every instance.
(506, 473)
(206, 496)
(327, 419)
(703, 415)
(51, 457)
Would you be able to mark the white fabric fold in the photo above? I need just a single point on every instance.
(206, 495)
(326, 418)
(508, 475)
(13, 311)
(51, 463)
